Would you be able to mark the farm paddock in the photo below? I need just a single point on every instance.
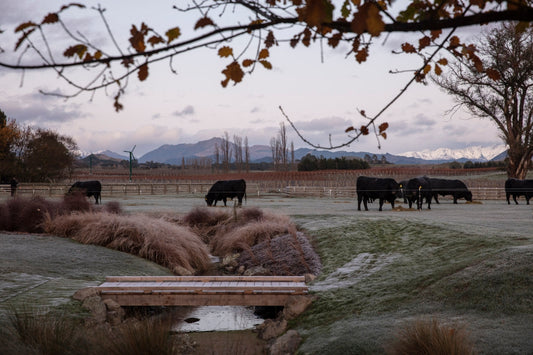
(468, 265)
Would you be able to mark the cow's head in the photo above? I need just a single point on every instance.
(209, 200)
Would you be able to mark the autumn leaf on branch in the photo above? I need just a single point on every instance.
(137, 38)
(50, 18)
(172, 34)
(232, 72)
(493, 74)
(204, 22)
(78, 49)
(143, 72)
(316, 12)
(225, 52)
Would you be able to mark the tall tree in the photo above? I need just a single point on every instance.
(263, 23)
(48, 156)
(237, 148)
(10, 135)
(246, 154)
(503, 93)
(226, 151)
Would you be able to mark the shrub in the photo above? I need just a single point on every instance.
(149, 336)
(429, 337)
(288, 254)
(76, 201)
(41, 332)
(238, 237)
(26, 215)
(154, 239)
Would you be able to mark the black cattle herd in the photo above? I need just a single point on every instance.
(414, 191)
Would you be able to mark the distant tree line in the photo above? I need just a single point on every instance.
(33, 154)
(478, 165)
(312, 163)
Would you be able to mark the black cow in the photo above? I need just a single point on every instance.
(369, 188)
(89, 188)
(224, 189)
(456, 188)
(517, 188)
(401, 193)
(417, 190)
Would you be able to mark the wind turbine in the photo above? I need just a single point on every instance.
(131, 157)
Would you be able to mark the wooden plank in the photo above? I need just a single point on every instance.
(229, 287)
(204, 278)
(162, 299)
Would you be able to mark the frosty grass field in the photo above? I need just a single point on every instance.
(467, 265)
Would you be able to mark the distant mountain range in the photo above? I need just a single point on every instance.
(174, 153)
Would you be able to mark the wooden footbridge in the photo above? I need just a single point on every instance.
(202, 290)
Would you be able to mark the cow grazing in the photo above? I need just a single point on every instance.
(456, 188)
(224, 189)
(417, 190)
(88, 188)
(401, 193)
(369, 188)
(517, 188)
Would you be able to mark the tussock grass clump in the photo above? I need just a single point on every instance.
(26, 214)
(34, 331)
(427, 336)
(149, 336)
(39, 332)
(288, 254)
(76, 201)
(205, 222)
(156, 240)
(238, 237)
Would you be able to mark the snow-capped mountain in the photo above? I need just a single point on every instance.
(477, 153)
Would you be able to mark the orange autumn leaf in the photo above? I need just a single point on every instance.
(383, 127)
(374, 22)
(50, 18)
(364, 130)
(172, 34)
(143, 72)
(361, 55)
(266, 64)
(247, 62)
(78, 49)
(232, 72)
(203, 22)
(225, 52)
(408, 48)
(438, 69)
(493, 74)
(263, 53)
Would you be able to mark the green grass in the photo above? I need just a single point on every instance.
(375, 268)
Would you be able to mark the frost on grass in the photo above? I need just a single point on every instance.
(357, 269)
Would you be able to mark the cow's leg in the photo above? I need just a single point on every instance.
(381, 204)
(365, 201)
(455, 199)
(359, 199)
(224, 200)
(514, 198)
(240, 200)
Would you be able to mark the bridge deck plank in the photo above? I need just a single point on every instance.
(202, 290)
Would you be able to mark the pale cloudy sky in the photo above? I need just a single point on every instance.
(321, 92)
